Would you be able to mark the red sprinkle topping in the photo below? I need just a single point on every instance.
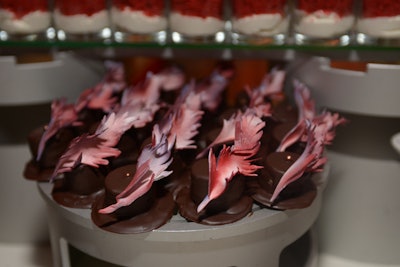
(244, 8)
(381, 8)
(341, 7)
(24, 7)
(149, 7)
(205, 8)
(75, 7)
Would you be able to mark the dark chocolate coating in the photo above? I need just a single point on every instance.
(199, 188)
(129, 148)
(231, 206)
(275, 165)
(78, 188)
(299, 194)
(284, 112)
(115, 182)
(148, 212)
(41, 170)
(54, 148)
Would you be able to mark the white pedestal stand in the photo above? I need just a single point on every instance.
(360, 218)
(256, 240)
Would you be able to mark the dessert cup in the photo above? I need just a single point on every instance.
(261, 22)
(323, 23)
(379, 26)
(139, 21)
(82, 20)
(27, 20)
(197, 22)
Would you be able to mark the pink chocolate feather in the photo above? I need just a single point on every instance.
(306, 107)
(151, 166)
(310, 160)
(85, 149)
(62, 115)
(212, 87)
(185, 127)
(271, 84)
(226, 134)
(93, 149)
(235, 159)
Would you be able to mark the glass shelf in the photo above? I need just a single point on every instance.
(379, 53)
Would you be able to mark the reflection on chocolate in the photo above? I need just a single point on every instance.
(276, 164)
(199, 188)
(231, 206)
(115, 182)
(298, 194)
(148, 212)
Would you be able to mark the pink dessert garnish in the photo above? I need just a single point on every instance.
(93, 150)
(306, 107)
(311, 160)
(212, 87)
(272, 84)
(101, 96)
(137, 108)
(175, 131)
(234, 159)
(152, 163)
(325, 122)
(316, 130)
(62, 115)
(185, 126)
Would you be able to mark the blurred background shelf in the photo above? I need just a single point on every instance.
(287, 52)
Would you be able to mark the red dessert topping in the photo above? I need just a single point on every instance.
(234, 159)
(341, 7)
(149, 7)
(381, 8)
(75, 7)
(243, 8)
(206, 8)
(24, 7)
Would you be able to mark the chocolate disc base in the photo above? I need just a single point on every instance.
(188, 210)
(33, 172)
(307, 191)
(69, 199)
(159, 214)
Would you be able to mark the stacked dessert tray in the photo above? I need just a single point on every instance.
(259, 239)
(198, 216)
(365, 164)
(26, 90)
